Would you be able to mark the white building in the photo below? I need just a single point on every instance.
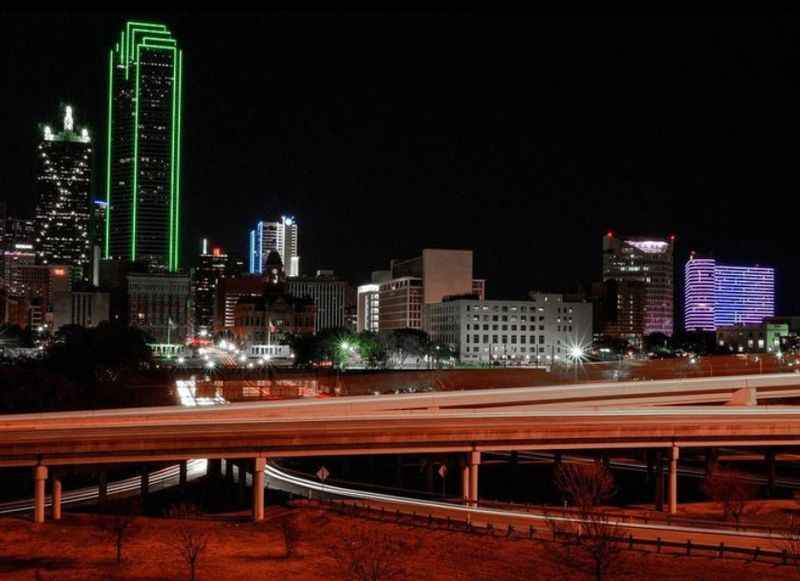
(281, 237)
(534, 332)
(368, 308)
(368, 302)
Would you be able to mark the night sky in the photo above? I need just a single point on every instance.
(524, 138)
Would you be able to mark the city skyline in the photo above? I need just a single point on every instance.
(569, 172)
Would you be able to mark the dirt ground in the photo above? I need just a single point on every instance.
(76, 548)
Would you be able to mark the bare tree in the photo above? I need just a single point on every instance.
(591, 546)
(731, 490)
(192, 541)
(585, 485)
(371, 556)
(119, 527)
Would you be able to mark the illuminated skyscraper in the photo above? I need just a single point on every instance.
(282, 237)
(214, 264)
(719, 295)
(63, 181)
(144, 147)
(649, 260)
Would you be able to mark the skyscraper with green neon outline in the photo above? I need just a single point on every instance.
(143, 157)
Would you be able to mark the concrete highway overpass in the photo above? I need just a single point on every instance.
(565, 417)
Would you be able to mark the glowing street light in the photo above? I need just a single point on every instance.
(211, 365)
(577, 353)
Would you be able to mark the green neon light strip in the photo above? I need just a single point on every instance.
(108, 149)
(134, 28)
(173, 250)
(171, 257)
(178, 163)
(135, 191)
(152, 41)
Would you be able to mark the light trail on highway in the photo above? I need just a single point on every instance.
(158, 480)
(476, 515)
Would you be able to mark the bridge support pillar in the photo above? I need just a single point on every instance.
(56, 498)
(673, 479)
(40, 479)
(769, 456)
(258, 489)
(474, 465)
(465, 480)
(659, 480)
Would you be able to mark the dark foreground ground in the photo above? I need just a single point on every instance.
(78, 548)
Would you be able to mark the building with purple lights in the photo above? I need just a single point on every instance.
(641, 261)
(719, 295)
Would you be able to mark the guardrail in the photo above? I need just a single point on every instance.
(485, 526)
(624, 518)
(647, 518)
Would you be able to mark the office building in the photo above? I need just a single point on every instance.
(401, 301)
(719, 295)
(160, 305)
(368, 302)
(329, 294)
(619, 309)
(282, 237)
(538, 331)
(425, 279)
(229, 291)
(442, 272)
(272, 319)
(214, 265)
(17, 231)
(367, 308)
(648, 260)
(13, 261)
(143, 157)
(63, 183)
(85, 306)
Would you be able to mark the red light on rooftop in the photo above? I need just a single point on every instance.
(672, 237)
(610, 234)
(217, 251)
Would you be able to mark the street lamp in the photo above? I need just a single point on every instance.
(576, 353)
